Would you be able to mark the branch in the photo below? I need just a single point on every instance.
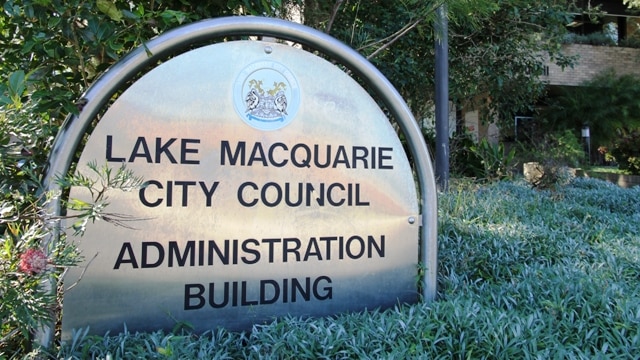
(395, 38)
(82, 274)
(334, 13)
(391, 39)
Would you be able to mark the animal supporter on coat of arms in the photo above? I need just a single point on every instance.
(270, 105)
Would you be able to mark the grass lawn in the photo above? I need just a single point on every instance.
(522, 274)
(608, 169)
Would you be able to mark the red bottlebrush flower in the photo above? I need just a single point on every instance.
(33, 261)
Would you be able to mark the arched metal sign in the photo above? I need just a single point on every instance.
(275, 184)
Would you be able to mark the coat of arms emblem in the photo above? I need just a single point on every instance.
(269, 105)
(266, 95)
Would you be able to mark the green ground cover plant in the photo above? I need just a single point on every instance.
(523, 274)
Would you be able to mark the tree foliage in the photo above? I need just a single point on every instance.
(503, 63)
(608, 104)
(497, 48)
(64, 45)
(632, 3)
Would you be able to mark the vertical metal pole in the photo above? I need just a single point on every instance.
(442, 99)
(586, 137)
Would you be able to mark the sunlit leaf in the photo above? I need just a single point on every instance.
(110, 9)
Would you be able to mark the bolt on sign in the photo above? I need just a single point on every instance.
(275, 185)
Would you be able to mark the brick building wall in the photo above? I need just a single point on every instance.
(593, 60)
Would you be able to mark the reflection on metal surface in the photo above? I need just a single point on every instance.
(311, 212)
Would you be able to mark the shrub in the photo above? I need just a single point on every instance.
(608, 104)
(463, 161)
(496, 162)
(32, 258)
(597, 38)
(25, 260)
(627, 152)
(632, 42)
(555, 153)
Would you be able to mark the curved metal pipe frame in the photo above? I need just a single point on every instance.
(160, 48)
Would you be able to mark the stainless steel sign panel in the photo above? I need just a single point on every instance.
(275, 185)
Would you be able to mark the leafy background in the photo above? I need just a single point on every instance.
(522, 273)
